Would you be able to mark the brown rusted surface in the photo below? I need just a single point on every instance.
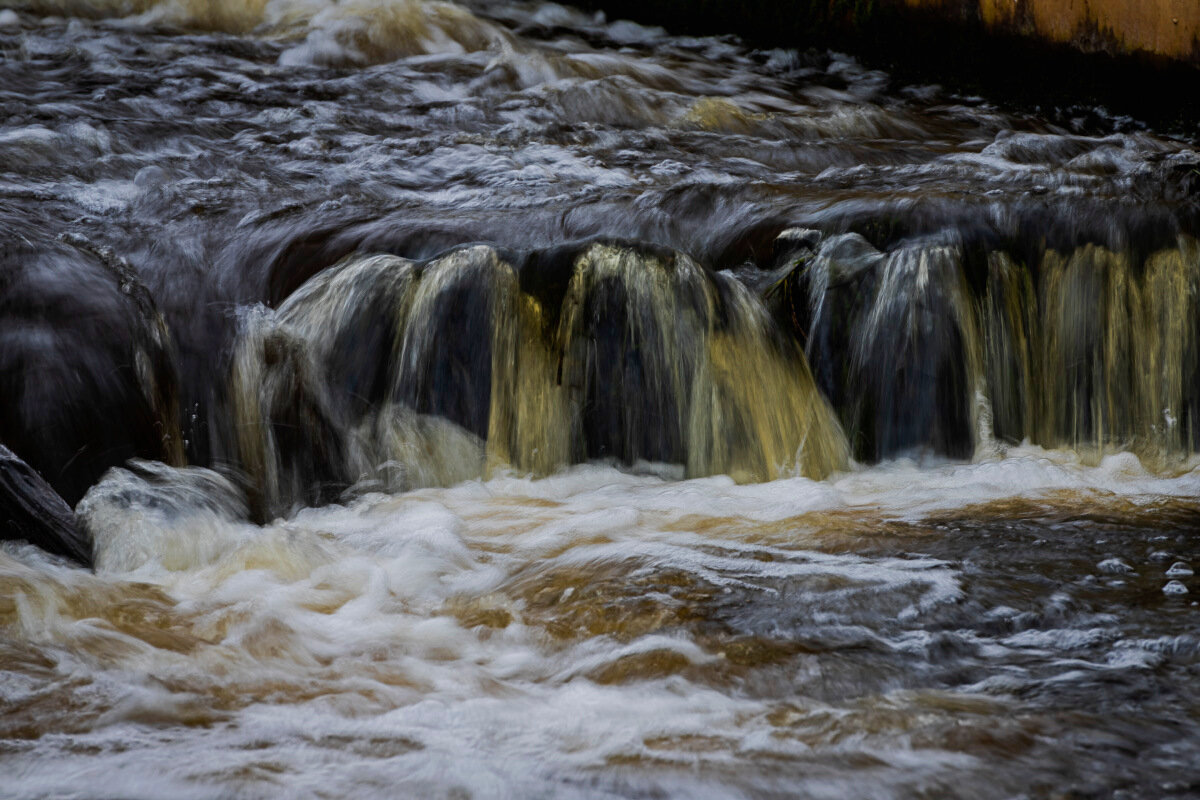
(1165, 28)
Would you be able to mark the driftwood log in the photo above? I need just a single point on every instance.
(31, 510)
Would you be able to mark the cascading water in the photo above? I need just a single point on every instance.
(492, 399)
(1093, 350)
(607, 353)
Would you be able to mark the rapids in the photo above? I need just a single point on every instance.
(498, 400)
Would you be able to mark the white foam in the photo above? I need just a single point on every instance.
(350, 635)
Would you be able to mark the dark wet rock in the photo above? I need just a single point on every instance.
(448, 353)
(1009, 328)
(624, 389)
(891, 341)
(816, 301)
(86, 370)
(794, 242)
(911, 364)
(30, 509)
(288, 432)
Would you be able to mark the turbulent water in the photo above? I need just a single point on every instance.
(496, 400)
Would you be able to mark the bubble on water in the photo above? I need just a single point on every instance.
(1160, 555)
(1132, 658)
(150, 177)
(1179, 570)
(1175, 588)
(1114, 566)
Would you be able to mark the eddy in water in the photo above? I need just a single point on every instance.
(495, 400)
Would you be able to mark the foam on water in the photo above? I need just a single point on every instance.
(578, 635)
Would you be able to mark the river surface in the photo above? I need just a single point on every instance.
(495, 400)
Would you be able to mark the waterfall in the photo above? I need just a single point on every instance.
(1089, 349)
(602, 351)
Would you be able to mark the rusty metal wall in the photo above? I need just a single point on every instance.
(1166, 28)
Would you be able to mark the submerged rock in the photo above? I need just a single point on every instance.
(148, 513)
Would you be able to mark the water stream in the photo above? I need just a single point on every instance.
(496, 400)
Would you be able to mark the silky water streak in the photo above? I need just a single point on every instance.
(611, 353)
